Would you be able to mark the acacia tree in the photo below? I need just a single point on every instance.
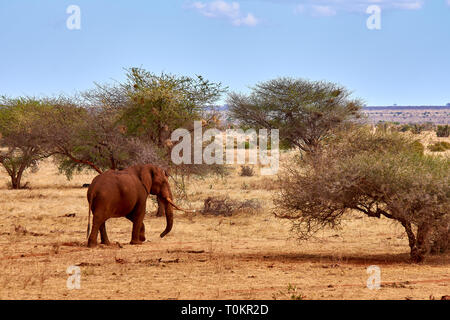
(109, 126)
(149, 107)
(116, 125)
(304, 111)
(160, 104)
(22, 122)
(378, 174)
(90, 137)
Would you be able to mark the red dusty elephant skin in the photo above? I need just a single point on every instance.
(124, 193)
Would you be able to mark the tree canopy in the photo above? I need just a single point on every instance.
(380, 174)
(22, 125)
(304, 111)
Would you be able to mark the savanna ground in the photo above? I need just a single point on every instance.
(250, 255)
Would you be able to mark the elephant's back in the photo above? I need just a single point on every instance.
(114, 189)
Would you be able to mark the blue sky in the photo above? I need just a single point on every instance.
(238, 43)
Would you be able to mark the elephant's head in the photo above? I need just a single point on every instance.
(155, 181)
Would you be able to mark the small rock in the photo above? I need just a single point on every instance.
(69, 215)
(196, 251)
(88, 264)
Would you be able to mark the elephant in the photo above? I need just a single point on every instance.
(124, 193)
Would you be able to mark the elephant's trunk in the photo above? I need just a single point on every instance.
(169, 217)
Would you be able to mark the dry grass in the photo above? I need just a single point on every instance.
(245, 256)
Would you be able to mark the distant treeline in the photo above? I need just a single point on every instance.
(225, 107)
(408, 107)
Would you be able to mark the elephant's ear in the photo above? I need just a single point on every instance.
(146, 178)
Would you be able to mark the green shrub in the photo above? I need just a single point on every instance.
(443, 131)
(291, 293)
(378, 174)
(246, 171)
(417, 128)
(404, 128)
(441, 146)
(418, 147)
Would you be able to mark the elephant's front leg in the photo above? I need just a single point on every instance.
(142, 231)
(138, 222)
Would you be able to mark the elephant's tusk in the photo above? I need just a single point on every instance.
(178, 208)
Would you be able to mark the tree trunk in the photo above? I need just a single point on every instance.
(16, 179)
(440, 241)
(423, 237)
(419, 245)
(15, 183)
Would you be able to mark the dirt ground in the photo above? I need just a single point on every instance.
(250, 255)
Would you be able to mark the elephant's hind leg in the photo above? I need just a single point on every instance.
(142, 233)
(98, 220)
(104, 235)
